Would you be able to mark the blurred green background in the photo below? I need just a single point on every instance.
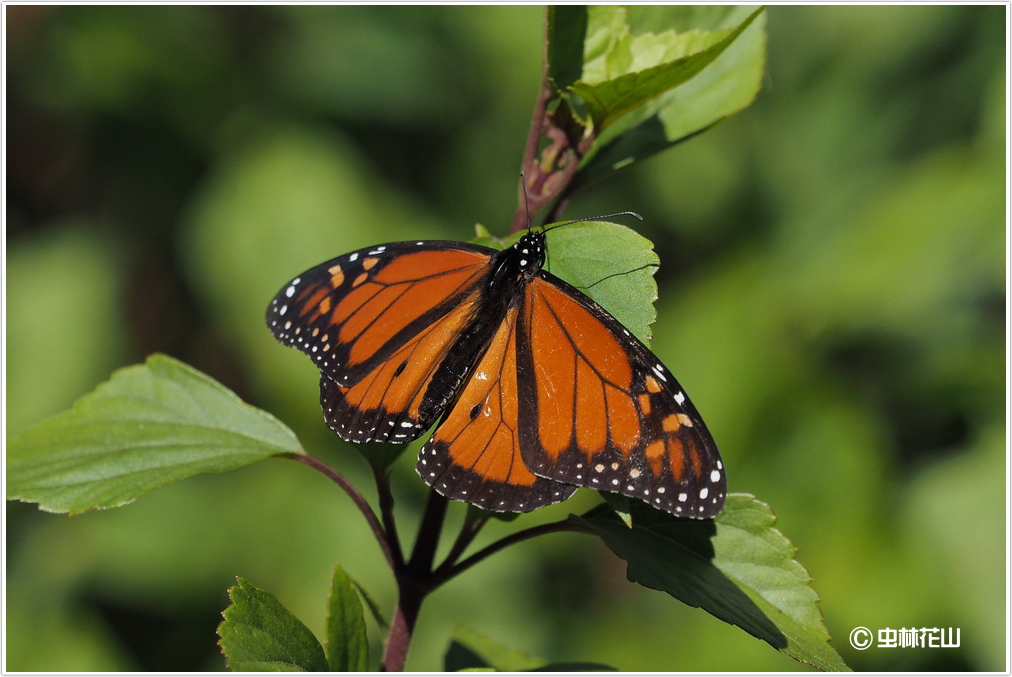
(832, 294)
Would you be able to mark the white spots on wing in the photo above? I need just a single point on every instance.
(680, 397)
(353, 257)
(683, 497)
(715, 476)
(704, 492)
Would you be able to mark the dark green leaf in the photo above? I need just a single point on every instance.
(567, 29)
(147, 426)
(260, 635)
(575, 667)
(347, 643)
(736, 567)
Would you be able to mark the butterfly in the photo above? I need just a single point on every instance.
(537, 389)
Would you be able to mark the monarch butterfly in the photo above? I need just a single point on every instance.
(540, 390)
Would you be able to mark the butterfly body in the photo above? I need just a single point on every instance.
(538, 390)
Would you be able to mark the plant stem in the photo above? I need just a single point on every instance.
(395, 651)
(473, 523)
(449, 570)
(357, 499)
(414, 582)
(386, 502)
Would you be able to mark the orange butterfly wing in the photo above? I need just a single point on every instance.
(540, 389)
(598, 409)
(474, 453)
(379, 324)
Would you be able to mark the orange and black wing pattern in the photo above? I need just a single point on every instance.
(379, 323)
(538, 390)
(598, 409)
(474, 453)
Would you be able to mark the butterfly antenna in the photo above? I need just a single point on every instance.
(592, 218)
(527, 205)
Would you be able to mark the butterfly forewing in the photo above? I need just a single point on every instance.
(474, 454)
(378, 323)
(352, 313)
(598, 409)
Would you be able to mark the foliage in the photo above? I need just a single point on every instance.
(830, 292)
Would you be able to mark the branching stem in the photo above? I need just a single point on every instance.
(359, 501)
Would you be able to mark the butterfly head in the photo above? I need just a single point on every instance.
(530, 252)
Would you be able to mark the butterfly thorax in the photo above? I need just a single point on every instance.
(513, 268)
(517, 265)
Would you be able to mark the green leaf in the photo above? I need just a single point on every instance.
(609, 262)
(636, 70)
(147, 426)
(567, 29)
(736, 567)
(612, 264)
(260, 635)
(370, 603)
(471, 650)
(641, 112)
(347, 643)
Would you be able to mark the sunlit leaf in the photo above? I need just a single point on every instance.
(642, 112)
(611, 263)
(149, 425)
(636, 70)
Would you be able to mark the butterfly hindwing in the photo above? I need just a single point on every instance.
(474, 453)
(598, 409)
